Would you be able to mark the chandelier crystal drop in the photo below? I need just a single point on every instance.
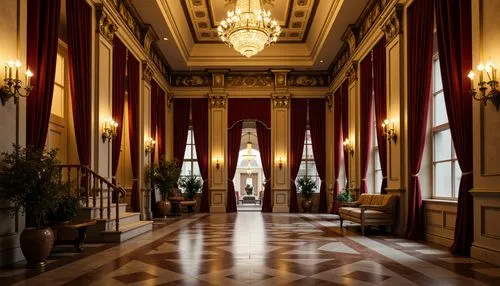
(249, 28)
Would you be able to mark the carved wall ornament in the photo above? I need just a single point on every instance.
(105, 26)
(190, 80)
(308, 80)
(147, 72)
(329, 100)
(218, 80)
(352, 72)
(249, 80)
(217, 100)
(368, 18)
(170, 100)
(148, 37)
(394, 24)
(351, 38)
(281, 100)
(340, 60)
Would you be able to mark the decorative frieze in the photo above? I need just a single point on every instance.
(148, 37)
(249, 80)
(352, 71)
(130, 20)
(368, 18)
(350, 37)
(394, 24)
(217, 100)
(340, 60)
(308, 80)
(147, 72)
(105, 26)
(170, 100)
(191, 80)
(329, 100)
(281, 100)
(280, 79)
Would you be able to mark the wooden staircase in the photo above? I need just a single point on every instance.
(101, 200)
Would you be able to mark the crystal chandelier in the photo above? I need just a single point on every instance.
(248, 29)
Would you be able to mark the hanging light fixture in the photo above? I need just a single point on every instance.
(249, 169)
(248, 28)
(249, 156)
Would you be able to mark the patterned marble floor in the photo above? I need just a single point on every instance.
(251, 248)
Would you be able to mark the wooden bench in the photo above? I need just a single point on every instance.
(80, 226)
(178, 201)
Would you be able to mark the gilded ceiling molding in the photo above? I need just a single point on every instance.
(147, 72)
(105, 26)
(308, 80)
(352, 71)
(217, 100)
(170, 100)
(393, 26)
(249, 80)
(368, 17)
(190, 80)
(329, 100)
(281, 100)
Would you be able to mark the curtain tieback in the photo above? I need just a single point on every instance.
(414, 175)
(467, 173)
(384, 177)
(135, 180)
(363, 179)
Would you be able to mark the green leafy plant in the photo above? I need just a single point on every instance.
(191, 185)
(66, 209)
(307, 187)
(165, 176)
(248, 189)
(29, 180)
(344, 196)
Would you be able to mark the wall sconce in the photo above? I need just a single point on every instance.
(109, 130)
(486, 93)
(12, 86)
(389, 131)
(280, 163)
(149, 145)
(217, 163)
(348, 147)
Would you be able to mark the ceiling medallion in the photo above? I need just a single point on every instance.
(248, 29)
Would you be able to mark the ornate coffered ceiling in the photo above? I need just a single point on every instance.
(294, 16)
(312, 33)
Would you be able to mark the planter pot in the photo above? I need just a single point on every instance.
(36, 246)
(307, 205)
(249, 192)
(163, 208)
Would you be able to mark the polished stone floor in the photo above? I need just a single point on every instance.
(250, 248)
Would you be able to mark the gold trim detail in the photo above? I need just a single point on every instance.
(105, 26)
(394, 25)
(281, 100)
(217, 100)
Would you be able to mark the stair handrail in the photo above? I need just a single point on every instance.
(98, 180)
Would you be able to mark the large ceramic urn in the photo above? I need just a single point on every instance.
(163, 208)
(36, 245)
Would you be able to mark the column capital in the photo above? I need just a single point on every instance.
(147, 72)
(281, 79)
(352, 72)
(329, 100)
(105, 26)
(170, 100)
(393, 25)
(217, 100)
(281, 100)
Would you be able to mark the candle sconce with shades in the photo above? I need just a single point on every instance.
(109, 130)
(13, 87)
(348, 146)
(488, 88)
(149, 145)
(389, 129)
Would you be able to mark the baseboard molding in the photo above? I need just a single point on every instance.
(485, 254)
(444, 241)
(281, 209)
(217, 209)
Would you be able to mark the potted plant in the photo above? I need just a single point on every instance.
(29, 180)
(306, 186)
(192, 185)
(165, 176)
(66, 209)
(345, 196)
(249, 189)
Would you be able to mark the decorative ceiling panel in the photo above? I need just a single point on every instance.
(294, 16)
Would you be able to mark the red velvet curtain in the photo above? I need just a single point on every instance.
(249, 108)
(337, 147)
(161, 129)
(264, 138)
(366, 119)
(298, 123)
(233, 143)
(420, 28)
(119, 82)
(454, 31)
(379, 90)
(317, 122)
(344, 95)
(133, 127)
(181, 128)
(79, 17)
(42, 37)
(154, 115)
(199, 110)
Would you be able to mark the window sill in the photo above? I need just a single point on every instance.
(440, 201)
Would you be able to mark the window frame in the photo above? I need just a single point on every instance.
(433, 132)
(306, 160)
(192, 161)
